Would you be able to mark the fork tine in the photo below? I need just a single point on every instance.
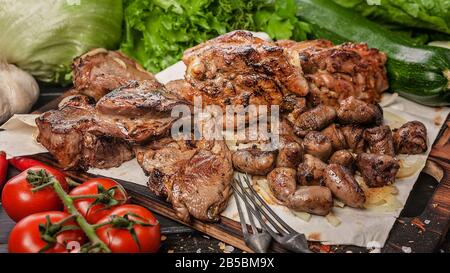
(241, 214)
(250, 215)
(284, 224)
(255, 204)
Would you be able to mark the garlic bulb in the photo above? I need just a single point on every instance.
(18, 91)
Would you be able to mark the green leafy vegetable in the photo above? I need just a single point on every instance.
(42, 37)
(158, 31)
(427, 14)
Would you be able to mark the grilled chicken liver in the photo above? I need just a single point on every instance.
(99, 71)
(282, 182)
(310, 171)
(354, 111)
(312, 199)
(411, 138)
(254, 161)
(344, 186)
(318, 145)
(377, 170)
(379, 140)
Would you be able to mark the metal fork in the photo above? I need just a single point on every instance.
(257, 241)
(281, 232)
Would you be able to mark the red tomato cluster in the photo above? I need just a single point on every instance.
(44, 225)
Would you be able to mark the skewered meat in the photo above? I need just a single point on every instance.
(354, 137)
(379, 140)
(377, 170)
(282, 182)
(99, 71)
(312, 199)
(254, 161)
(338, 72)
(240, 69)
(314, 120)
(343, 158)
(195, 176)
(344, 186)
(310, 171)
(334, 134)
(317, 145)
(411, 138)
(64, 132)
(354, 111)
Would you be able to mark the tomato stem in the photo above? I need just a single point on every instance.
(72, 182)
(88, 229)
(75, 197)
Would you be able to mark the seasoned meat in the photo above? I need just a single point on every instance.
(338, 72)
(354, 111)
(282, 182)
(254, 161)
(343, 158)
(240, 69)
(312, 199)
(411, 138)
(64, 133)
(293, 106)
(194, 175)
(314, 120)
(310, 171)
(377, 170)
(290, 155)
(318, 145)
(99, 71)
(334, 134)
(344, 186)
(379, 140)
(354, 137)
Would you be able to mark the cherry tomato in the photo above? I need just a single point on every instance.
(112, 195)
(128, 220)
(19, 200)
(28, 237)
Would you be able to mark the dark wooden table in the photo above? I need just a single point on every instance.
(179, 238)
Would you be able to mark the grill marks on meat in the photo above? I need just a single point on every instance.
(240, 69)
(338, 72)
(377, 170)
(65, 134)
(194, 176)
(411, 138)
(99, 71)
(354, 111)
(380, 140)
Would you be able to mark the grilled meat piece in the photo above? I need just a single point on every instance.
(65, 134)
(318, 145)
(293, 106)
(343, 158)
(354, 137)
(337, 138)
(240, 69)
(99, 71)
(314, 120)
(282, 182)
(310, 171)
(290, 155)
(377, 170)
(380, 140)
(354, 111)
(312, 199)
(254, 161)
(411, 138)
(338, 72)
(344, 186)
(195, 176)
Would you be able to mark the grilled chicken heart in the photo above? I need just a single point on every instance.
(411, 138)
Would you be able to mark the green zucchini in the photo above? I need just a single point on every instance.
(419, 73)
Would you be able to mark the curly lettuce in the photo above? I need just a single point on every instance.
(158, 31)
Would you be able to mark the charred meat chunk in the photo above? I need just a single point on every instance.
(282, 182)
(344, 186)
(354, 111)
(312, 199)
(379, 140)
(318, 145)
(254, 161)
(411, 138)
(377, 170)
(354, 137)
(314, 120)
(334, 134)
(343, 158)
(290, 155)
(310, 171)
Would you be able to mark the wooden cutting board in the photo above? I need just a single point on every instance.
(423, 233)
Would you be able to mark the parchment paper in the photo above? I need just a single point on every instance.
(364, 228)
